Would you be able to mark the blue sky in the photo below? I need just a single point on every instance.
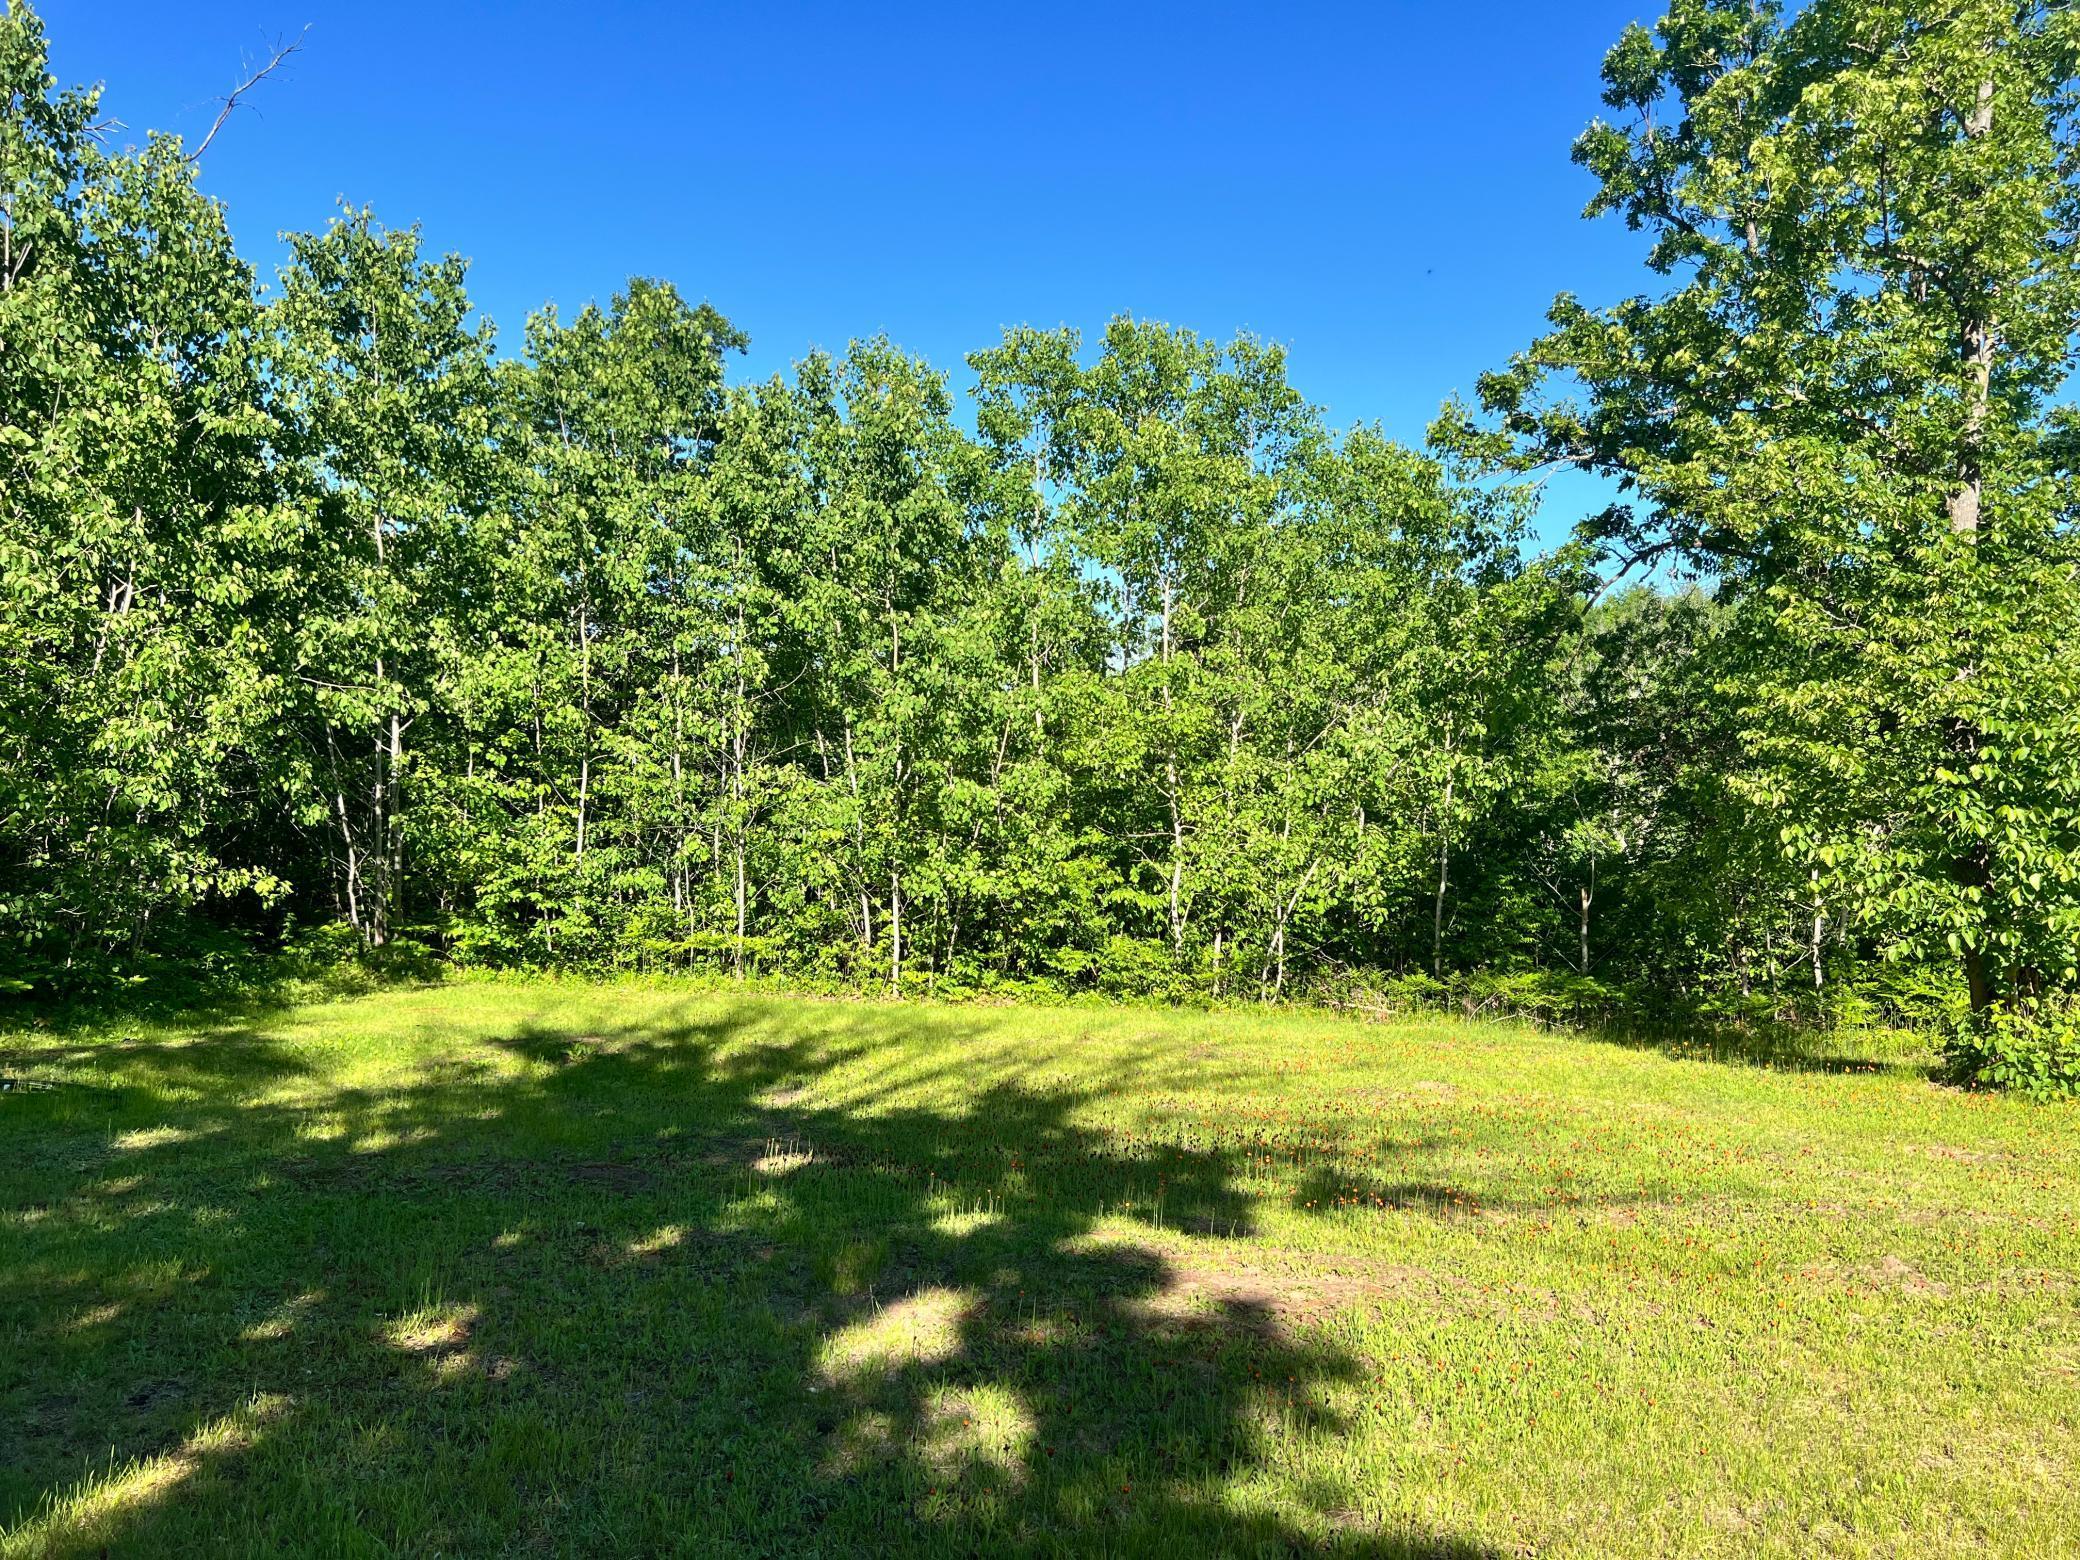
(1385, 187)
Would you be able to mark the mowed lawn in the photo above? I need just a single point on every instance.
(632, 1270)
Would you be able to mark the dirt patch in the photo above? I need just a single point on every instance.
(1215, 1226)
(783, 1158)
(616, 1176)
(1888, 1272)
(1201, 1286)
(1968, 1156)
(154, 1393)
(1898, 1273)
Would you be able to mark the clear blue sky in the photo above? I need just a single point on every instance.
(1383, 187)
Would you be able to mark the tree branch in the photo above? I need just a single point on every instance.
(275, 60)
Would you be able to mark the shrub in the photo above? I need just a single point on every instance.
(2032, 1050)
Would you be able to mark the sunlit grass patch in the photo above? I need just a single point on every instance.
(432, 1329)
(919, 1329)
(984, 1430)
(101, 1508)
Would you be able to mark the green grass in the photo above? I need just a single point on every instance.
(620, 1269)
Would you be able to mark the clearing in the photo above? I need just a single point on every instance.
(633, 1269)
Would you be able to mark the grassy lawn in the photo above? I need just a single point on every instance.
(620, 1269)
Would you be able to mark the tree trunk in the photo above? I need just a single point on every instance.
(585, 723)
(1976, 344)
(859, 835)
(393, 808)
(375, 929)
(1283, 911)
(682, 889)
(346, 834)
(1819, 927)
(895, 933)
(1977, 981)
(1588, 898)
(1444, 863)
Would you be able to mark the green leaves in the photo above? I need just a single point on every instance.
(321, 610)
(1840, 410)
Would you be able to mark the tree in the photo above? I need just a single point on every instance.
(605, 599)
(315, 609)
(383, 388)
(141, 544)
(1172, 458)
(892, 565)
(1842, 407)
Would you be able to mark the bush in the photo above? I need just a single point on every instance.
(2033, 1050)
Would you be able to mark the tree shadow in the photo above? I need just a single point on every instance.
(715, 1284)
(250, 989)
(1770, 1047)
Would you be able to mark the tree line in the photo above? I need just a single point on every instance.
(324, 623)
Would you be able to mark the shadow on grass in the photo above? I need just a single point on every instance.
(248, 991)
(681, 1288)
(1774, 1047)
(1775, 1038)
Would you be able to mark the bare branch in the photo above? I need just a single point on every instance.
(275, 60)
